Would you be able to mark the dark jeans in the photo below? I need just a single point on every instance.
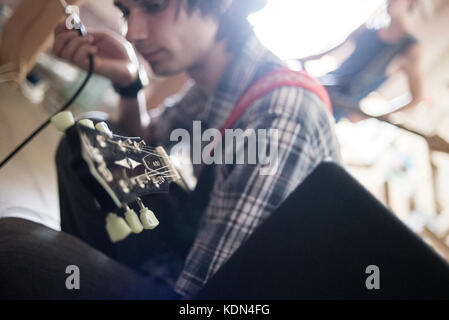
(34, 258)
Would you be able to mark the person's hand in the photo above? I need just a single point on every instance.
(356, 117)
(384, 117)
(114, 57)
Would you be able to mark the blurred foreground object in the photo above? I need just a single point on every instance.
(28, 33)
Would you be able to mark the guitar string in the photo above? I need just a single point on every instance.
(149, 176)
(148, 150)
(144, 149)
(156, 172)
(165, 174)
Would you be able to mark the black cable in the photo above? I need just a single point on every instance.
(68, 103)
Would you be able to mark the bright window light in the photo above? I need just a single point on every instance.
(298, 28)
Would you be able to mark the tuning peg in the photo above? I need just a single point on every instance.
(87, 123)
(116, 227)
(147, 217)
(63, 120)
(103, 127)
(133, 221)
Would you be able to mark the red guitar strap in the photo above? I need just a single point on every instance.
(271, 81)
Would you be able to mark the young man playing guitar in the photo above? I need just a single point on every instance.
(212, 41)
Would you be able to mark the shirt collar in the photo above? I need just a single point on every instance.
(238, 76)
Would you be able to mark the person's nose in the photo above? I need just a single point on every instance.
(137, 27)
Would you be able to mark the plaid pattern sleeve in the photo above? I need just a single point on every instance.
(177, 112)
(242, 198)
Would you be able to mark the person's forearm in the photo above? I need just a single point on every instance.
(133, 116)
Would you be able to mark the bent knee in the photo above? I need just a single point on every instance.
(25, 262)
(17, 226)
(17, 232)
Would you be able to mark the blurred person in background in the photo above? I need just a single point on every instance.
(367, 66)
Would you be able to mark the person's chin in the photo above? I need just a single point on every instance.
(163, 69)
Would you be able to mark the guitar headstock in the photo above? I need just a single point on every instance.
(118, 171)
(125, 166)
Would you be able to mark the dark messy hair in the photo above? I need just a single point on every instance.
(233, 25)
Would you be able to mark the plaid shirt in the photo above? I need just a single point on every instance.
(241, 198)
